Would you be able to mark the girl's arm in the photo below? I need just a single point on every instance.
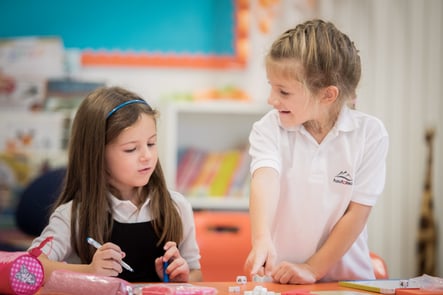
(341, 238)
(265, 191)
(50, 265)
(106, 262)
(338, 243)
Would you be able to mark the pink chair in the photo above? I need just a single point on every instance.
(379, 265)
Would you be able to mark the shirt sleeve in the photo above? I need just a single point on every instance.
(189, 249)
(371, 173)
(264, 143)
(59, 228)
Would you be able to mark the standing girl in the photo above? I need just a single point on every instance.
(317, 166)
(115, 192)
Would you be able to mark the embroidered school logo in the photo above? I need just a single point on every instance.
(343, 177)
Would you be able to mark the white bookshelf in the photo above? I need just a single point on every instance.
(211, 126)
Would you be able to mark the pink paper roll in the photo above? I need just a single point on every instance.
(75, 283)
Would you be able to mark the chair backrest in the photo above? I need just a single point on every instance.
(225, 241)
(34, 205)
(379, 265)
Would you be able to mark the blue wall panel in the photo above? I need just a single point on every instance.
(166, 26)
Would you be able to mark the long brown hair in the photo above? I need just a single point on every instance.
(86, 182)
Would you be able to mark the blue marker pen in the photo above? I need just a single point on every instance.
(165, 275)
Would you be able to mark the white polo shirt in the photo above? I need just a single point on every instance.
(59, 228)
(318, 181)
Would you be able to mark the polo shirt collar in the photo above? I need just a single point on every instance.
(124, 209)
(345, 121)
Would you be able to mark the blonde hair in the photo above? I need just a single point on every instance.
(317, 54)
(95, 125)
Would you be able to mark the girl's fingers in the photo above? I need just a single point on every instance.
(171, 251)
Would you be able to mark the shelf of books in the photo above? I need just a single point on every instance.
(205, 153)
(213, 179)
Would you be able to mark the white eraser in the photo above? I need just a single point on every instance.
(234, 289)
(241, 280)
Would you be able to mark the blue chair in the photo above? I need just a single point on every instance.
(34, 205)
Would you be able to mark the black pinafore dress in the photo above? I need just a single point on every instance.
(139, 242)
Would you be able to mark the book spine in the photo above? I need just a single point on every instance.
(224, 175)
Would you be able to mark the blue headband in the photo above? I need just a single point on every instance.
(125, 104)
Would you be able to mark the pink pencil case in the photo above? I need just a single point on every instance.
(74, 283)
(20, 273)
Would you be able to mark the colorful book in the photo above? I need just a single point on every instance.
(223, 178)
(200, 185)
(379, 286)
(188, 168)
(241, 176)
(183, 159)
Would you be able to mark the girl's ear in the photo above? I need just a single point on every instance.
(330, 94)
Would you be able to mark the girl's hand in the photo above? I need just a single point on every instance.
(106, 260)
(178, 269)
(261, 259)
(289, 273)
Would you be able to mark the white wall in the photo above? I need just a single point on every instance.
(401, 42)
